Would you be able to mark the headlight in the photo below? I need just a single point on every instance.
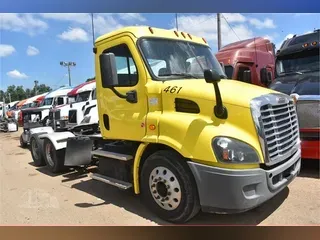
(228, 150)
(64, 118)
(86, 119)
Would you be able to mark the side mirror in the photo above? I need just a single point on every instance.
(211, 76)
(87, 103)
(108, 70)
(247, 76)
(264, 76)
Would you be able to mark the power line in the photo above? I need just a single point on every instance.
(230, 26)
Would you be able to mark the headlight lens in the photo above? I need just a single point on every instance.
(86, 119)
(228, 150)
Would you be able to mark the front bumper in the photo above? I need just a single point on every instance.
(233, 191)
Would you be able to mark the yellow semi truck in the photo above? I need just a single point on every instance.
(177, 132)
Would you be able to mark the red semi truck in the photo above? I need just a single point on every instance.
(251, 60)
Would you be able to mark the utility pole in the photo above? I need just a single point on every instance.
(92, 26)
(177, 21)
(9, 97)
(68, 64)
(36, 87)
(219, 30)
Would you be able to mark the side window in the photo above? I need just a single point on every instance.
(60, 101)
(126, 68)
(229, 71)
(241, 70)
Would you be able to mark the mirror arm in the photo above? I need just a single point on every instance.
(219, 110)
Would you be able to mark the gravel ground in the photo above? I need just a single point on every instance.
(33, 196)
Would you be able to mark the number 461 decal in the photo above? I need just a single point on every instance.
(173, 89)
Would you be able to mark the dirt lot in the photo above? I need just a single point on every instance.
(31, 195)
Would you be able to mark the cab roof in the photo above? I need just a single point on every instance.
(146, 31)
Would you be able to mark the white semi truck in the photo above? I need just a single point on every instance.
(38, 117)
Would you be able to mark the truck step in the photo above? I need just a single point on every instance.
(113, 155)
(110, 181)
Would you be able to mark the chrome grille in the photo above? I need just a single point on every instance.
(308, 113)
(281, 130)
(277, 126)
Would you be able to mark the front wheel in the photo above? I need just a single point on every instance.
(23, 144)
(53, 158)
(168, 187)
(36, 151)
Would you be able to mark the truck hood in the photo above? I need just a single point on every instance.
(301, 84)
(232, 92)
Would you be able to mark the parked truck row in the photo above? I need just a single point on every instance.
(185, 129)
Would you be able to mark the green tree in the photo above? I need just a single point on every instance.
(42, 88)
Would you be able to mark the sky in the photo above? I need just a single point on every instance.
(32, 45)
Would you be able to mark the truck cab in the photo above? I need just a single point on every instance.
(250, 60)
(182, 135)
(298, 74)
(37, 117)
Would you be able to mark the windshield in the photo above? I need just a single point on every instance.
(172, 59)
(298, 62)
(46, 102)
(84, 96)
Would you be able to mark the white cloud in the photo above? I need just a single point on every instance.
(234, 17)
(27, 23)
(6, 50)
(132, 17)
(103, 22)
(74, 35)
(82, 18)
(16, 74)
(206, 26)
(267, 23)
(32, 51)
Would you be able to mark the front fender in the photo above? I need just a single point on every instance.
(58, 139)
(41, 130)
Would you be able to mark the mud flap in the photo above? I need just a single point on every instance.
(78, 151)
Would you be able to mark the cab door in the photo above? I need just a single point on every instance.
(118, 117)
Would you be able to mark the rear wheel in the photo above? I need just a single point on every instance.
(168, 187)
(36, 151)
(23, 144)
(53, 158)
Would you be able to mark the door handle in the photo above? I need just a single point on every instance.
(132, 96)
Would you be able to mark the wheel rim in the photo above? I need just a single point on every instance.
(49, 154)
(35, 148)
(165, 188)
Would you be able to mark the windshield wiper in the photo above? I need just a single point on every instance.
(290, 73)
(187, 75)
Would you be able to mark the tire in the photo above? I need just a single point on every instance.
(54, 158)
(22, 143)
(182, 202)
(37, 151)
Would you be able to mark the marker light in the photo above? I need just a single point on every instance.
(204, 40)
(175, 32)
(305, 45)
(314, 43)
(189, 36)
(183, 34)
(152, 127)
(151, 30)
